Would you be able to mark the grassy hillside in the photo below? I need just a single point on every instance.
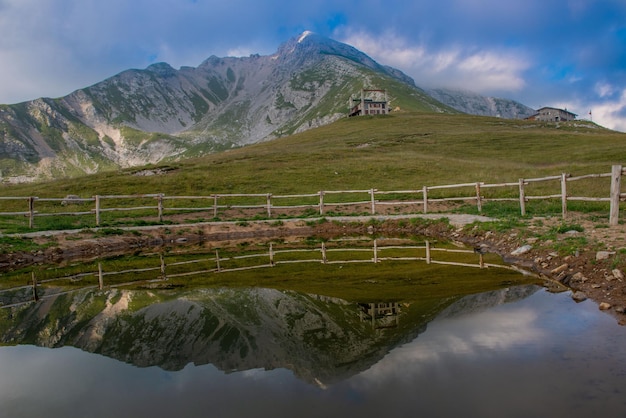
(398, 151)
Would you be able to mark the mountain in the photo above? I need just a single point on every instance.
(160, 113)
(475, 104)
(321, 339)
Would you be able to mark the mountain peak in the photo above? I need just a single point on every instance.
(304, 35)
(146, 116)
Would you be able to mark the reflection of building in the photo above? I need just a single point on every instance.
(551, 114)
(372, 104)
(382, 315)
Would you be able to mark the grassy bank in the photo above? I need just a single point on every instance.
(394, 152)
(388, 152)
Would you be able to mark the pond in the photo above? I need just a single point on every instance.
(159, 348)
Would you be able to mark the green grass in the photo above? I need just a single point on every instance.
(19, 244)
(401, 151)
(389, 153)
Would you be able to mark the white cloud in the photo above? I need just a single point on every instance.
(611, 113)
(466, 337)
(605, 89)
(240, 52)
(482, 70)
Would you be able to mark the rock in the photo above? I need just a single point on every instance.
(560, 269)
(579, 296)
(71, 199)
(604, 255)
(579, 277)
(532, 240)
(620, 309)
(617, 273)
(605, 306)
(522, 250)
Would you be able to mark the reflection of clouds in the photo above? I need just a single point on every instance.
(542, 356)
(539, 357)
(465, 338)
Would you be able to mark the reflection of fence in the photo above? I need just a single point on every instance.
(270, 258)
(372, 200)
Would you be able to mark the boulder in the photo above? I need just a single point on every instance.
(71, 199)
(604, 255)
(522, 250)
(579, 296)
(605, 306)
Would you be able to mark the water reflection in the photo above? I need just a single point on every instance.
(418, 346)
(541, 355)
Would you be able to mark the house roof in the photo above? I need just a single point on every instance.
(554, 108)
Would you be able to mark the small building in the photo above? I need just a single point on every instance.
(551, 114)
(371, 102)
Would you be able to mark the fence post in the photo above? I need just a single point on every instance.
(271, 254)
(100, 277)
(479, 203)
(373, 201)
(217, 260)
(162, 259)
(31, 212)
(616, 187)
(160, 206)
(97, 198)
(269, 205)
(564, 195)
(427, 252)
(522, 198)
(34, 282)
(375, 251)
(425, 196)
(215, 207)
(324, 259)
(321, 193)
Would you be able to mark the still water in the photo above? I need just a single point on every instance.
(514, 352)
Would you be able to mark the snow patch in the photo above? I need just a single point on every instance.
(304, 35)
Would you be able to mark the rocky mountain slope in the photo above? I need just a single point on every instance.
(469, 102)
(160, 113)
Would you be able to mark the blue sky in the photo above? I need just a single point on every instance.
(564, 53)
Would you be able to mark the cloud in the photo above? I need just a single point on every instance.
(611, 113)
(481, 69)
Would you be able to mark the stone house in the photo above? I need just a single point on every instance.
(371, 102)
(551, 114)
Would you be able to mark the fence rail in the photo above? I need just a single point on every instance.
(321, 202)
(265, 259)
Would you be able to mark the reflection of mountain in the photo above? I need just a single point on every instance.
(321, 339)
(482, 301)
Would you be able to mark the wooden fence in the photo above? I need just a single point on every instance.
(163, 271)
(320, 202)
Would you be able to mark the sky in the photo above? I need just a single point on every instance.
(564, 53)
